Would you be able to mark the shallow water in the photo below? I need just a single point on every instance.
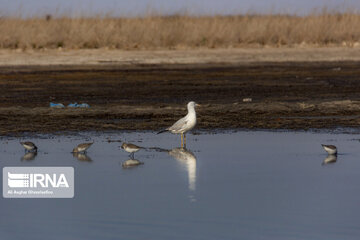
(241, 185)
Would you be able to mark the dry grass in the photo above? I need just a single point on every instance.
(171, 32)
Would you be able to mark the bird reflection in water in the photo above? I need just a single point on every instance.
(29, 156)
(82, 157)
(188, 160)
(131, 163)
(329, 159)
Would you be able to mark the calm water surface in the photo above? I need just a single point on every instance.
(242, 185)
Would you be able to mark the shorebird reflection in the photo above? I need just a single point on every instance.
(188, 160)
(82, 157)
(329, 159)
(131, 163)
(29, 156)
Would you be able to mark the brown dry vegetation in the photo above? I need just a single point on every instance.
(154, 32)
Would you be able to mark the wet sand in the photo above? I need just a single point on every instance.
(285, 95)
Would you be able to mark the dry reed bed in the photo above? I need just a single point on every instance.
(173, 32)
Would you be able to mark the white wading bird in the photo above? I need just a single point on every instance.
(184, 124)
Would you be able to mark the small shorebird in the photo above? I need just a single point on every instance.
(130, 148)
(82, 147)
(184, 124)
(29, 146)
(131, 163)
(330, 149)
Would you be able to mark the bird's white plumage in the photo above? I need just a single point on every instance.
(29, 146)
(186, 123)
(330, 149)
(131, 150)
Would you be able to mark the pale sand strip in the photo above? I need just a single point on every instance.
(202, 56)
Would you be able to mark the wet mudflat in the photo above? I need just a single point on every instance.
(294, 95)
(226, 185)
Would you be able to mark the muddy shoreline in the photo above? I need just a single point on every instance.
(285, 95)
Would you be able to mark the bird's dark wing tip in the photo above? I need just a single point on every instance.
(162, 131)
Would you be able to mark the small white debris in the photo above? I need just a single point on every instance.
(247, 100)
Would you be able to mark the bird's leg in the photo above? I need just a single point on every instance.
(132, 155)
(184, 140)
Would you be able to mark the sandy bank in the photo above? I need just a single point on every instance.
(206, 56)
